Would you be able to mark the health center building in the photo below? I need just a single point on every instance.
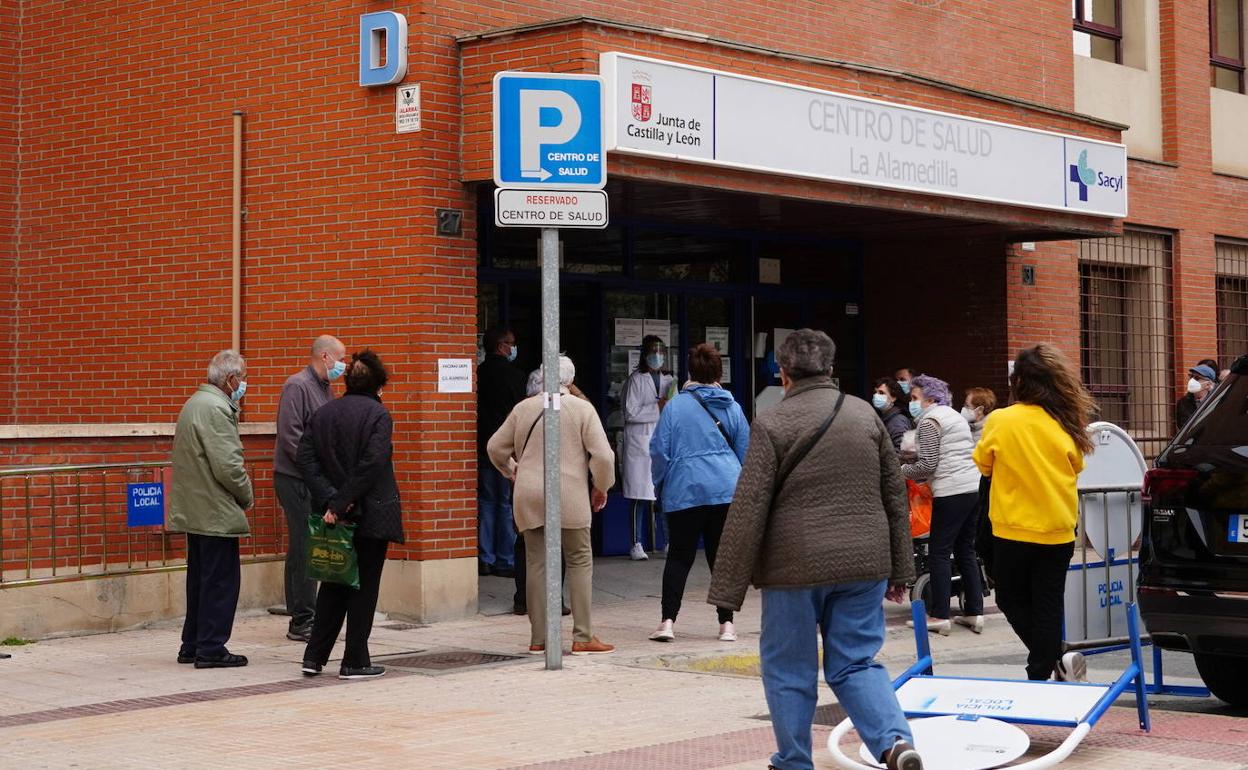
(935, 183)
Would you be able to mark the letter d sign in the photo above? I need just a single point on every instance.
(383, 48)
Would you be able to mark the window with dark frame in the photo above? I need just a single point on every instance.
(1098, 29)
(1226, 45)
(1127, 334)
(1232, 300)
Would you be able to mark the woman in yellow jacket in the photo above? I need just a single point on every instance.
(1034, 453)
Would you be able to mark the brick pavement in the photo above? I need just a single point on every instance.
(119, 701)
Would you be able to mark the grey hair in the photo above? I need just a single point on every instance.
(567, 372)
(534, 385)
(806, 353)
(326, 343)
(224, 365)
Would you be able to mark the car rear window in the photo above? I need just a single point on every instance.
(1222, 423)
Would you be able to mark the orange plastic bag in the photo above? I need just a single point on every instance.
(920, 508)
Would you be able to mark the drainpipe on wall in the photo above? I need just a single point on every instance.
(236, 246)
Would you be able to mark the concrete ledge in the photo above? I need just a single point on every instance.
(115, 430)
(427, 591)
(119, 602)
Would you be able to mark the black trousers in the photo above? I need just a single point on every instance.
(1031, 586)
(336, 602)
(684, 527)
(522, 573)
(213, 578)
(953, 534)
(293, 494)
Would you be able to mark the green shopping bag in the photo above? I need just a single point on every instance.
(331, 552)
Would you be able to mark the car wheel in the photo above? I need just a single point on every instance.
(1225, 676)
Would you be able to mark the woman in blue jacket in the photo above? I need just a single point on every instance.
(695, 458)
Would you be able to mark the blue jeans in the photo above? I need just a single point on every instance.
(496, 532)
(850, 618)
(642, 511)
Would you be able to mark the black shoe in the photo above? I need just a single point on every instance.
(484, 569)
(224, 660)
(311, 669)
(186, 657)
(300, 633)
(566, 610)
(364, 672)
(904, 757)
(519, 609)
(505, 572)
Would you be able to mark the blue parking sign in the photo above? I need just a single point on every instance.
(549, 131)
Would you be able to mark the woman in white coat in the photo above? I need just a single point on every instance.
(645, 394)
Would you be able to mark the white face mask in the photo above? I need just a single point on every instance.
(969, 414)
(1194, 386)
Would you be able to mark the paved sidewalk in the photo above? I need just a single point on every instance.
(120, 700)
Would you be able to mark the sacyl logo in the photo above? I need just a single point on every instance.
(1085, 176)
(642, 100)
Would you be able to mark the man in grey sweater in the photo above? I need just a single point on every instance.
(821, 523)
(304, 392)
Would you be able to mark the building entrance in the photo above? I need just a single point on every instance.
(686, 265)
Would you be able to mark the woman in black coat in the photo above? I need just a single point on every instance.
(345, 458)
(891, 404)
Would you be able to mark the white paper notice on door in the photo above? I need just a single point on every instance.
(628, 331)
(726, 378)
(454, 375)
(781, 336)
(660, 328)
(634, 358)
(717, 336)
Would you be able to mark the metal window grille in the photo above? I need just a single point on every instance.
(1127, 333)
(1232, 277)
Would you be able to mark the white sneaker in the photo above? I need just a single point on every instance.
(1071, 667)
(973, 622)
(663, 633)
(638, 553)
(727, 633)
(934, 626)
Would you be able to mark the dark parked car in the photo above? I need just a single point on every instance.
(1194, 562)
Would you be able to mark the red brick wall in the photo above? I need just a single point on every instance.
(9, 94)
(1019, 48)
(923, 297)
(126, 224)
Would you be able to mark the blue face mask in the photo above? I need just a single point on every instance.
(335, 371)
(239, 392)
(905, 386)
(879, 401)
(511, 354)
(655, 361)
(916, 409)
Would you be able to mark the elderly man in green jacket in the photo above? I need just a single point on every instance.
(210, 492)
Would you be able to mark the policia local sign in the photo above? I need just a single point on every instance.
(676, 111)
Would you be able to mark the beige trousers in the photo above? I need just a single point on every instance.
(579, 556)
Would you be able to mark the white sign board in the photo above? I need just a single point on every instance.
(407, 109)
(669, 110)
(1000, 698)
(628, 331)
(550, 208)
(454, 375)
(1102, 594)
(950, 743)
(717, 337)
(659, 327)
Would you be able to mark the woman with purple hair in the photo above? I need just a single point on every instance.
(944, 461)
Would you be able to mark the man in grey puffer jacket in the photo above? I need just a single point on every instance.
(825, 537)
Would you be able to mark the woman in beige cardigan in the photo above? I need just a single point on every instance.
(516, 450)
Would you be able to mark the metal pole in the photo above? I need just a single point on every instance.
(550, 454)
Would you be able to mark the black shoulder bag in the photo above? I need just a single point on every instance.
(803, 449)
(722, 430)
